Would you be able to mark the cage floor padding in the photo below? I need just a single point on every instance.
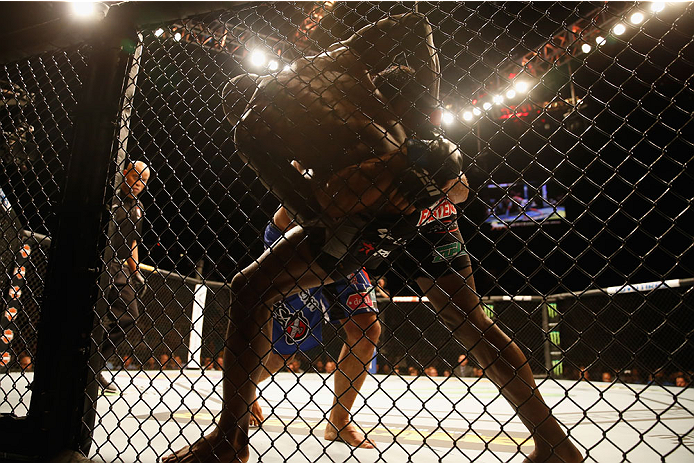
(418, 419)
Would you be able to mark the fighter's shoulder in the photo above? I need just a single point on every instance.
(339, 59)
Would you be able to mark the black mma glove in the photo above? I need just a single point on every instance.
(137, 282)
(432, 164)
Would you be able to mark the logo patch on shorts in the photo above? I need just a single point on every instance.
(448, 251)
(359, 301)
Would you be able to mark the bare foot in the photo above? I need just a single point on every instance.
(256, 415)
(211, 448)
(566, 452)
(349, 434)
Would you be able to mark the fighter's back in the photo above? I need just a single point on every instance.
(324, 111)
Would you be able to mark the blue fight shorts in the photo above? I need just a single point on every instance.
(297, 319)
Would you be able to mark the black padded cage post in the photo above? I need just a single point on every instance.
(55, 413)
(56, 420)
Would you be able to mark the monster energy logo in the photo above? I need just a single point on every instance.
(554, 337)
(557, 367)
(552, 309)
(488, 309)
(447, 251)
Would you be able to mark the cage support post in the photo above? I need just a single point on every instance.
(67, 312)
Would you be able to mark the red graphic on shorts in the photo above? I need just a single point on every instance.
(441, 210)
(297, 329)
(359, 301)
(7, 336)
(5, 359)
(367, 248)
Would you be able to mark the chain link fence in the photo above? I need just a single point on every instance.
(574, 122)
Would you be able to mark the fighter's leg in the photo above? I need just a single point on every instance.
(361, 336)
(279, 272)
(272, 363)
(459, 306)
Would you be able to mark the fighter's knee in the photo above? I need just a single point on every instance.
(238, 282)
(365, 327)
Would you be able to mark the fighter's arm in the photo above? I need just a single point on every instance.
(134, 259)
(377, 45)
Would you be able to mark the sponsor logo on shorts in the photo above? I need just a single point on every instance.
(443, 209)
(297, 329)
(10, 313)
(25, 251)
(5, 359)
(367, 248)
(359, 301)
(448, 251)
(7, 336)
(309, 302)
(294, 324)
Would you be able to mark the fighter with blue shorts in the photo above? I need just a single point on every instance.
(297, 325)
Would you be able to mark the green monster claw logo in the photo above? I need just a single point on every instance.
(448, 251)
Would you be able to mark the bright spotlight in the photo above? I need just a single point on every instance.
(467, 115)
(177, 36)
(521, 86)
(636, 18)
(273, 65)
(498, 99)
(287, 68)
(511, 93)
(257, 58)
(447, 118)
(476, 111)
(657, 7)
(586, 48)
(158, 32)
(486, 106)
(600, 40)
(83, 9)
(619, 29)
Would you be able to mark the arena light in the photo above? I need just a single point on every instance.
(83, 9)
(619, 29)
(585, 48)
(257, 58)
(177, 36)
(600, 40)
(657, 7)
(467, 115)
(287, 68)
(637, 18)
(476, 111)
(486, 106)
(521, 86)
(158, 32)
(498, 99)
(511, 94)
(447, 118)
(273, 65)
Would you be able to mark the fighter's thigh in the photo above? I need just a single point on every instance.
(456, 301)
(282, 270)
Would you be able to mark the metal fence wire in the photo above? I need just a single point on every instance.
(367, 230)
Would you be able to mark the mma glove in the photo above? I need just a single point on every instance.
(137, 282)
(432, 164)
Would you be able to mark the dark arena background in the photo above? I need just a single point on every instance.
(575, 121)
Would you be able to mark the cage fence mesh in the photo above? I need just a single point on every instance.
(36, 109)
(575, 121)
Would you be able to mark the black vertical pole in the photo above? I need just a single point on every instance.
(67, 313)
